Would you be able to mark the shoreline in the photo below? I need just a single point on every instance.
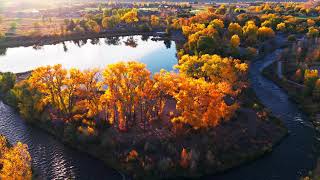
(25, 41)
(270, 73)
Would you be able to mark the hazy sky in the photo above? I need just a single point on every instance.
(27, 3)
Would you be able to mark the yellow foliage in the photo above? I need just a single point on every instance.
(199, 103)
(250, 29)
(235, 28)
(154, 20)
(213, 67)
(130, 89)
(313, 32)
(309, 74)
(193, 28)
(265, 32)
(59, 87)
(15, 161)
(217, 23)
(235, 41)
(131, 16)
(281, 26)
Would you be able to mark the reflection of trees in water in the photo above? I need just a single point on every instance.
(112, 41)
(3, 51)
(83, 41)
(65, 49)
(37, 47)
(77, 42)
(95, 41)
(131, 42)
(144, 37)
(167, 43)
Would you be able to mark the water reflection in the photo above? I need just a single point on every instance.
(92, 53)
(95, 41)
(112, 41)
(167, 43)
(37, 47)
(3, 51)
(65, 49)
(131, 42)
(144, 38)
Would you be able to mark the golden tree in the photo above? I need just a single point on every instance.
(217, 24)
(265, 33)
(250, 31)
(235, 41)
(129, 90)
(57, 86)
(15, 161)
(199, 103)
(88, 93)
(193, 28)
(154, 20)
(281, 27)
(235, 28)
(131, 16)
(214, 68)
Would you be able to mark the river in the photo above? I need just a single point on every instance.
(294, 157)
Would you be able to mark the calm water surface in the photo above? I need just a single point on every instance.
(94, 53)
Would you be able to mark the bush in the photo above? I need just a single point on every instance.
(28, 101)
(11, 99)
(7, 81)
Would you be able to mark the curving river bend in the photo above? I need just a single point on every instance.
(296, 154)
(294, 157)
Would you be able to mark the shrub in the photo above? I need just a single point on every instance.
(7, 81)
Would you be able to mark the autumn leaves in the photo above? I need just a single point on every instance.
(127, 95)
(15, 161)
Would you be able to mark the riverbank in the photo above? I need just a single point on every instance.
(295, 93)
(47, 40)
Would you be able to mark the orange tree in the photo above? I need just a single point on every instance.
(15, 162)
(131, 16)
(214, 68)
(198, 103)
(130, 90)
(57, 87)
(88, 93)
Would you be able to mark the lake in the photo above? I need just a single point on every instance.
(92, 53)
